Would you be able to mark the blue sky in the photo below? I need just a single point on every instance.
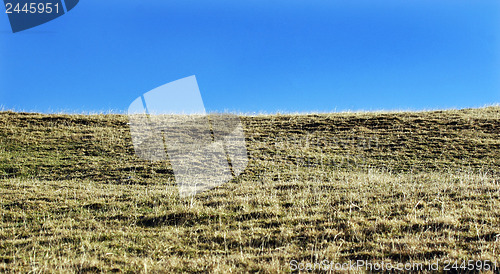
(258, 56)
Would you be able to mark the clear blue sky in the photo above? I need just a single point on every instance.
(256, 55)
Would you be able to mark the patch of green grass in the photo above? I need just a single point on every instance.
(393, 187)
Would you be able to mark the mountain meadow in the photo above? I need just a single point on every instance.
(393, 187)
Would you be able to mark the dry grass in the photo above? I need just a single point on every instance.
(393, 187)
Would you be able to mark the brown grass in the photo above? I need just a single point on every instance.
(392, 187)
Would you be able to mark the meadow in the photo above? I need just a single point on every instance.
(393, 187)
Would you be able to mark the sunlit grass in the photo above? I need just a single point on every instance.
(394, 187)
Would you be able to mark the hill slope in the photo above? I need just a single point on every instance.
(394, 187)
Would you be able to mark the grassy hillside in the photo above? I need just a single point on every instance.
(392, 187)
